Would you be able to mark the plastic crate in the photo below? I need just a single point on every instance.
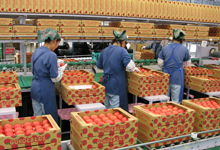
(95, 56)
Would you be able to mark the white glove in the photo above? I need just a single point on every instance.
(143, 47)
(136, 69)
(63, 67)
(59, 61)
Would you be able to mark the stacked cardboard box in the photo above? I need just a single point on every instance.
(91, 29)
(154, 127)
(50, 139)
(17, 58)
(148, 83)
(194, 71)
(6, 28)
(206, 118)
(144, 55)
(204, 83)
(23, 30)
(106, 136)
(214, 33)
(10, 93)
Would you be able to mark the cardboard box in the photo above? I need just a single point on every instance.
(166, 10)
(214, 66)
(147, 9)
(39, 28)
(25, 36)
(203, 112)
(110, 30)
(124, 24)
(61, 8)
(162, 32)
(74, 9)
(6, 29)
(145, 37)
(6, 22)
(147, 86)
(203, 34)
(53, 7)
(85, 130)
(162, 37)
(113, 7)
(204, 89)
(24, 29)
(71, 23)
(36, 6)
(16, 102)
(108, 36)
(8, 77)
(34, 139)
(8, 36)
(29, 6)
(91, 30)
(205, 81)
(202, 29)
(46, 22)
(77, 79)
(146, 31)
(205, 124)
(96, 7)
(91, 23)
(144, 55)
(107, 6)
(195, 71)
(68, 29)
(157, 121)
(170, 27)
(145, 25)
(142, 9)
(97, 36)
(151, 3)
(146, 93)
(51, 146)
(5, 6)
(190, 28)
(68, 6)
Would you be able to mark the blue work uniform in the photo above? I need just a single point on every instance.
(44, 67)
(114, 60)
(174, 56)
(156, 48)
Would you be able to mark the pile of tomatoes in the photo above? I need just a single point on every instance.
(76, 73)
(8, 88)
(148, 73)
(100, 80)
(69, 60)
(209, 104)
(212, 79)
(26, 128)
(105, 118)
(165, 110)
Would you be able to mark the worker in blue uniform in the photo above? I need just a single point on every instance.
(156, 48)
(45, 72)
(115, 60)
(171, 59)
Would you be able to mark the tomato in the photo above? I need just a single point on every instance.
(93, 123)
(169, 110)
(124, 119)
(169, 113)
(109, 121)
(28, 128)
(198, 103)
(27, 124)
(116, 113)
(163, 111)
(101, 116)
(8, 126)
(84, 74)
(159, 108)
(9, 134)
(170, 106)
(1, 127)
(109, 115)
(147, 109)
(105, 118)
(175, 112)
(62, 64)
(97, 120)
(85, 118)
(36, 123)
(157, 112)
(69, 73)
(37, 127)
(94, 86)
(45, 121)
(113, 117)
(79, 73)
(19, 132)
(175, 108)
(100, 123)
(40, 130)
(117, 120)
(10, 88)
(2, 88)
(47, 126)
(181, 111)
(89, 121)
(9, 130)
(17, 125)
(93, 117)
(163, 114)
(1, 131)
(18, 129)
(30, 131)
(152, 109)
(120, 116)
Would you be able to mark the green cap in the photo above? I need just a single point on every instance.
(178, 33)
(43, 35)
(120, 35)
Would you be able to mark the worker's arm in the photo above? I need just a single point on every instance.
(99, 63)
(128, 63)
(187, 60)
(148, 47)
(161, 59)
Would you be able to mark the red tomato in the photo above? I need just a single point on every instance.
(18, 129)
(93, 123)
(27, 124)
(120, 116)
(89, 121)
(159, 108)
(85, 118)
(38, 127)
(28, 128)
(109, 115)
(47, 126)
(8, 126)
(181, 111)
(117, 120)
(19, 132)
(109, 121)
(152, 109)
(45, 122)
(113, 117)
(62, 64)
(40, 130)
(1, 131)
(8, 130)
(94, 86)
(175, 108)
(170, 106)
(93, 117)
(198, 103)
(116, 113)
(100, 123)
(1, 127)
(104, 119)
(36, 123)
(124, 119)
(163, 114)
(84, 74)
(175, 112)
(69, 73)
(169, 113)
(9, 134)
(169, 110)
(101, 116)
(163, 111)
(79, 73)
(10, 88)
(17, 125)
(2, 88)
(30, 131)
(157, 112)
(97, 120)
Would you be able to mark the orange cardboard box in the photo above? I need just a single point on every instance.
(26, 29)
(108, 36)
(42, 4)
(93, 35)
(152, 9)
(72, 100)
(205, 81)
(166, 10)
(55, 8)
(36, 6)
(137, 8)
(34, 139)
(147, 93)
(6, 21)
(74, 9)
(200, 12)
(91, 23)
(77, 79)
(97, 8)
(147, 86)
(195, 12)
(88, 130)
(6, 29)
(57, 28)
(16, 102)
(190, 28)
(214, 66)
(147, 9)
(68, 89)
(8, 77)
(30, 36)
(146, 31)
(161, 8)
(162, 37)
(204, 89)
(114, 7)
(102, 7)
(110, 30)
(47, 22)
(14, 6)
(142, 9)
(202, 29)
(68, 6)
(161, 32)
(91, 7)
(61, 9)
(204, 34)
(145, 25)
(128, 8)
(190, 38)
(195, 71)
(68, 29)
(29, 6)
(181, 10)
(173, 10)
(6, 6)
(203, 124)
(203, 112)
(108, 7)
(71, 23)
(51, 146)
(91, 30)
(157, 121)
(124, 24)
(190, 33)
(169, 10)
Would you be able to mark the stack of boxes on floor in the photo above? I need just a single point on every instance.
(49, 139)
(106, 136)
(6, 28)
(69, 88)
(154, 127)
(207, 117)
(214, 33)
(148, 82)
(10, 93)
(28, 58)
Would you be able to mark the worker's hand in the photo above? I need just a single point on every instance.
(143, 48)
(63, 67)
(59, 61)
(136, 69)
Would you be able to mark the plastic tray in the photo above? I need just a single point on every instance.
(25, 81)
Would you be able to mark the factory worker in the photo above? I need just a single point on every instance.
(171, 59)
(45, 72)
(156, 48)
(115, 60)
